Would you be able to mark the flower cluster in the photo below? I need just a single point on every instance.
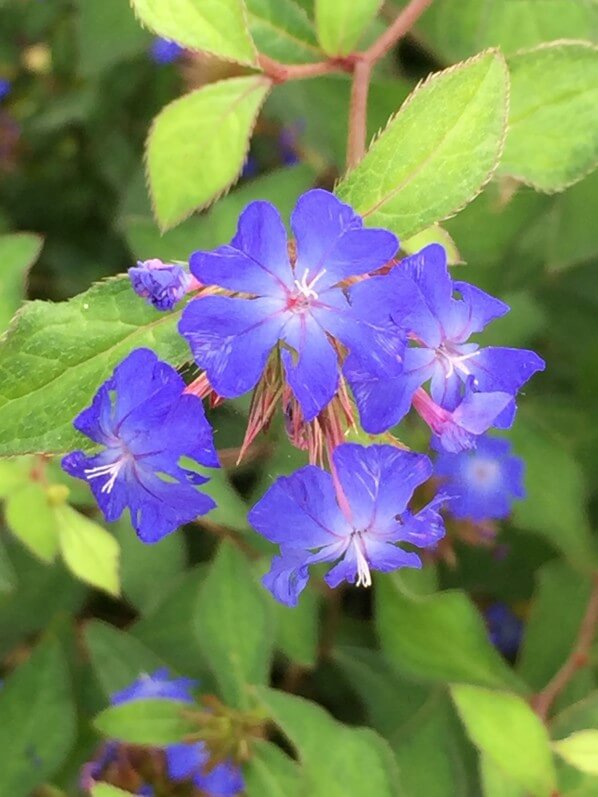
(330, 326)
(185, 762)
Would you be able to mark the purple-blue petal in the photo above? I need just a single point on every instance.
(159, 685)
(162, 285)
(428, 268)
(288, 575)
(473, 312)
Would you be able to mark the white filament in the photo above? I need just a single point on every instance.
(112, 470)
(364, 576)
(307, 288)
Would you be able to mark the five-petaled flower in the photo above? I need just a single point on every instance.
(356, 518)
(162, 284)
(146, 425)
(300, 305)
(471, 388)
(187, 761)
(481, 484)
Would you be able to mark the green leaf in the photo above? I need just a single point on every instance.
(557, 608)
(583, 714)
(117, 658)
(55, 357)
(433, 234)
(439, 637)
(197, 145)
(271, 773)
(494, 781)
(282, 30)
(505, 728)
(8, 577)
(554, 99)
(38, 721)
(143, 567)
(106, 790)
(18, 253)
(32, 519)
(89, 551)
(341, 25)
(571, 238)
(217, 27)
(338, 761)
(580, 750)
(107, 32)
(157, 722)
(555, 502)
(297, 629)
(438, 152)
(14, 474)
(234, 626)
(217, 226)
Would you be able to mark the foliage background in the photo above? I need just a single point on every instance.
(411, 660)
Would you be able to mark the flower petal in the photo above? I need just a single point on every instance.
(474, 312)
(288, 576)
(429, 270)
(330, 236)
(232, 339)
(256, 260)
(386, 557)
(501, 369)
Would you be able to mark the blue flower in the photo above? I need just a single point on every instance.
(482, 484)
(471, 388)
(146, 424)
(355, 518)
(162, 284)
(297, 301)
(164, 51)
(146, 791)
(505, 629)
(5, 88)
(158, 685)
(192, 762)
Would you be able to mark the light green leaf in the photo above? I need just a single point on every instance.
(555, 502)
(116, 657)
(38, 721)
(14, 474)
(438, 152)
(106, 790)
(271, 773)
(495, 783)
(217, 226)
(31, 518)
(156, 722)
(234, 626)
(554, 99)
(433, 235)
(107, 33)
(215, 26)
(18, 252)
(504, 727)
(341, 24)
(55, 357)
(197, 145)
(580, 750)
(282, 30)
(338, 761)
(89, 551)
(438, 637)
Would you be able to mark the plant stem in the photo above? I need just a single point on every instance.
(281, 73)
(362, 73)
(578, 658)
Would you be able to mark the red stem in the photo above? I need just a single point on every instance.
(358, 113)
(402, 25)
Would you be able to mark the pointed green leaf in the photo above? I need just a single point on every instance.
(271, 773)
(216, 26)
(106, 790)
(89, 551)
(197, 145)
(554, 99)
(18, 252)
(38, 721)
(504, 727)
(495, 783)
(107, 33)
(282, 30)
(341, 24)
(438, 637)
(32, 519)
(438, 152)
(580, 750)
(55, 356)
(155, 722)
(234, 625)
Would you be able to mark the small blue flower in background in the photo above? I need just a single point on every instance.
(5, 88)
(162, 284)
(505, 629)
(471, 388)
(185, 761)
(287, 144)
(146, 791)
(482, 484)
(251, 167)
(300, 304)
(164, 51)
(355, 519)
(146, 424)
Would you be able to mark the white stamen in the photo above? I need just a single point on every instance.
(364, 577)
(112, 470)
(455, 362)
(307, 288)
